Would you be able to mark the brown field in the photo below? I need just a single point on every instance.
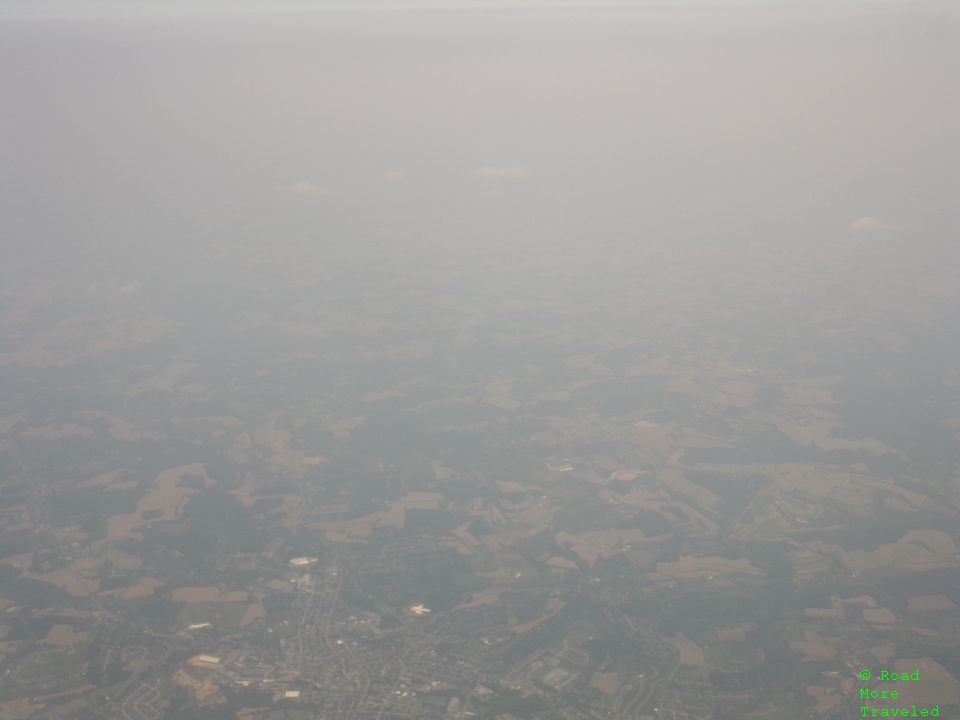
(395, 517)
(19, 709)
(122, 560)
(883, 653)
(207, 691)
(936, 687)
(462, 548)
(201, 689)
(253, 713)
(168, 498)
(690, 652)
(217, 426)
(359, 529)
(484, 597)
(78, 578)
(254, 612)
(165, 380)
(554, 605)
(825, 698)
(75, 614)
(144, 587)
(208, 594)
(196, 594)
(688, 567)
(421, 501)
(606, 682)
(595, 544)
(813, 646)
(879, 616)
(24, 561)
(930, 603)
(673, 479)
(70, 340)
(279, 443)
(736, 394)
(64, 635)
(382, 395)
(9, 648)
(245, 493)
(641, 557)
(343, 428)
(8, 422)
(561, 563)
(917, 550)
(123, 431)
(465, 536)
(651, 436)
(57, 432)
(735, 633)
(441, 472)
(695, 521)
(824, 613)
(586, 551)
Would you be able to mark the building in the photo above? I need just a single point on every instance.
(302, 561)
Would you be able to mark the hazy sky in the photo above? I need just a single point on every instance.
(173, 8)
(781, 176)
(778, 124)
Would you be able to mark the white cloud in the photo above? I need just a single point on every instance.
(393, 176)
(505, 171)
(867, 225)
(307, 189)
